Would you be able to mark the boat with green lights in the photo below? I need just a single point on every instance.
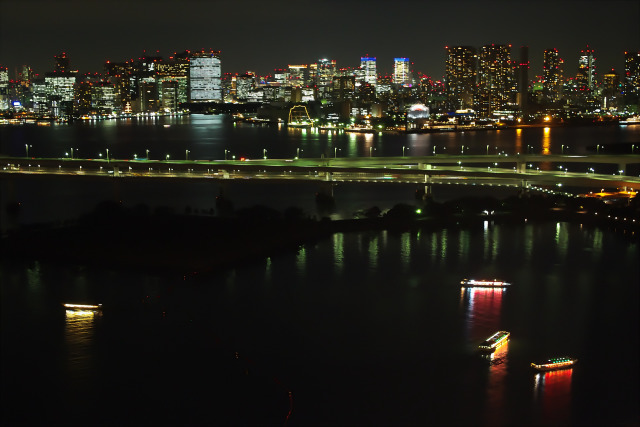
(494, 341)
(554, 364)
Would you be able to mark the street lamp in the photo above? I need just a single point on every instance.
(167, 157)
(147, 154)
(335, 152)
(487, 149)
(403, 148)
(298, 153)
(186, 154)
(597, 149)
(225, 154)
(371, 151)
(71, 152)
(562, 149)
(264, 153)
(107, 155)
(26, 146)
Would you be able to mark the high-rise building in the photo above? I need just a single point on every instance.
(62, 63)
(632, 78)
(586, 77)
(496, 83)
(552, 76)
(205, 76)
(461, 75)
(523, 80)
(368, 64)
(298, 75)
(4, 88)
(322, 72)
(401, 71)
(611, 89)
(245, 83)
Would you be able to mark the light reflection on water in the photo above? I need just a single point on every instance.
(553, 392)
(483, 311)
(79, 331)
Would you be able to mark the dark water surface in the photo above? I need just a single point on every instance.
(362, 328)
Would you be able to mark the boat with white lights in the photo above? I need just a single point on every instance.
(554, 364)
(633, 120)
(494, 341)
(83, 306)
(472, 283)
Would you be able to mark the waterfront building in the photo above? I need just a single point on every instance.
(368, 65)
(148, 100)
(205, 76)
(26, 76)
(103, 97)
(59, 88)
(496, 83)
(461, 75)
(632, 78)
(401, 71)
(552, 76)
(176, 69)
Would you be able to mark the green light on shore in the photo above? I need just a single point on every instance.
(418, 211)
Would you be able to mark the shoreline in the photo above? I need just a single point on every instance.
(191, 246)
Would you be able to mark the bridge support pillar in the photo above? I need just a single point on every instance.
(521, 167)
(424, 166)
(622, 167)
(224, 173)
(325, 202)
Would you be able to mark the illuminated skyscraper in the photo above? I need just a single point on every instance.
(632, 77)
(205, 76)
(4, 88)
(496, 86)
(461, 75)
(587, 70)
(298, 75)
(401, 71)
(552, 75)
(368, 64)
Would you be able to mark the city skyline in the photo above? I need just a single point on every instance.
(262, 37)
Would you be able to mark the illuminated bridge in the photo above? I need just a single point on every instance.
(524, 171)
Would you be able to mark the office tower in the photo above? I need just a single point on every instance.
(321, 73)
(26, 76)
(631, 78)
(205, 76)
(176, 69)
(523, 80)
(586, 77)
(611, 89)
(298, 75)
(496, 82)
(149, 102)
(552, 75)
(245, 83)
(4, 88)
(401, 71)
(368, 64)
(62, 63)
(461, 75)
(344, 87)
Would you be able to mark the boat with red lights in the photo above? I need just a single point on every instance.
(495, 283)
(494, 341)
(554, 364)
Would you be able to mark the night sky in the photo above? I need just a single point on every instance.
(263, 35)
